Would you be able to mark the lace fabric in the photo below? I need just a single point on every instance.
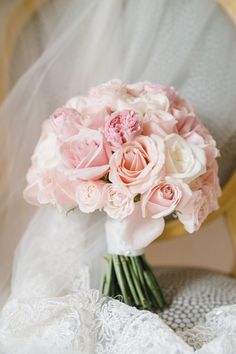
(53, 308)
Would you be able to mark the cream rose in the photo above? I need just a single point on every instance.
(183, 160)
(118, 201)
(89, 196)
(147, 101)
(138, 163)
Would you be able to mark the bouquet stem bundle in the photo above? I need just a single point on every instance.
(132, 279)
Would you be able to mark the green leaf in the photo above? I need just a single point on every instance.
(137, 198)
(70, 210)
(106, 178)
(175, 214)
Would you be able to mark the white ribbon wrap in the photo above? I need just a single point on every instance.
(130, 236)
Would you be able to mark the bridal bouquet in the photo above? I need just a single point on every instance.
(137, 152)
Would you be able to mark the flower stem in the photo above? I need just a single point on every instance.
(154, 291)
(121, 279)
(129, 279)
(137, 284)
(107, 283)
(142, 281)
(154, 280)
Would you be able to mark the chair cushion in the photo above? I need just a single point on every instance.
(192, 293)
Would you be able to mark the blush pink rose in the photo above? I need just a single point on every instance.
(186, 124)
(122, 126)
(191, 129)
(95, 117)
(118, 201)
(86, 155)
(164, 198)
(195, 212)
(66, 122)
(89, 195)
(180, 107)
(138, 163)
(93, 114)
(160, 123)
(209, 182)
(50, 187)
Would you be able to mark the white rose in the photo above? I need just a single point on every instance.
(183, 160)
(46, 154)
(89, 196)
(118, 201)
(80, 103)
(145, 102)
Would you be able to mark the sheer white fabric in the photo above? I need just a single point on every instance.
(52, 307)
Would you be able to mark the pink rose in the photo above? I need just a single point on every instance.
(50, 187)
(180, 107)
(160, 123)
(86, 155)
(94, 117)
(45, 183)
(138, 163)
(89, 196)
(186, 124)
(191, 129)
(118, 201)
(66, 122)
(122, 126)
(195, 212)
(164, 198)
(209, 181)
